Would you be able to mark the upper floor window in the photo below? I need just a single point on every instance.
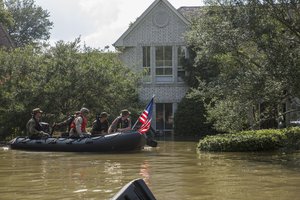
(181, 57)
(163, 63)
(146, 63)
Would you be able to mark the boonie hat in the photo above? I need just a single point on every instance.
(84, 110)
(125, 112)
(36, 110)
(104, 114)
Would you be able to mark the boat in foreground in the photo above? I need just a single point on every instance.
(116, 142)
(135, 190)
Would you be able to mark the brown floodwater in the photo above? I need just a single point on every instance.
(174, 170)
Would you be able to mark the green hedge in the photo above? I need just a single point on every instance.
(260, 140)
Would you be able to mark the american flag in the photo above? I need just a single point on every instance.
(145, 118)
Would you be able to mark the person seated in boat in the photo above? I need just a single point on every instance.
(66, 124)
(35, 129)
(100, 125)
(121, 123)
(78, 125)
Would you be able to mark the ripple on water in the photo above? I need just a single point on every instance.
(172, 171)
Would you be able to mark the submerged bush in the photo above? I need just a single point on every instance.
(261, 140)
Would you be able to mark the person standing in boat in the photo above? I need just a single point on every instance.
(101, 124)
(121, 123)
(78, 126)
(33, 126)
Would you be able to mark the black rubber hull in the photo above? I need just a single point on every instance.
(117, 142)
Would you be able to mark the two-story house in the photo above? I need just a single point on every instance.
(154, 44)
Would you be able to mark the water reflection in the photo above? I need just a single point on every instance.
(251, 175)
(144, 172)
(173, 171)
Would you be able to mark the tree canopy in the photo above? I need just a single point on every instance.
(61, 80)
(30, 24)
(5, 16)
(252, 48)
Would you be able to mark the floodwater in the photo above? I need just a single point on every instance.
(174, 170)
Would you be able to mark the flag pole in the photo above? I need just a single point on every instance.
(135, 124)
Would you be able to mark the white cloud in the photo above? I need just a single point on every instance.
(100, 12)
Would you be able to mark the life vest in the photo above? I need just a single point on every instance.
(83, 124)
(122, 124)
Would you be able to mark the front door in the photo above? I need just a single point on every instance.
(164, 117)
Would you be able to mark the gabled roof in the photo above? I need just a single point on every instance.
(4, 38)
(119, 42)
(190, 12)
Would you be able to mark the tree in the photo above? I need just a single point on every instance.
(254, 53)
(5, 16)
(190, 119)
(31, 22)
(76, 77)
(61, 80)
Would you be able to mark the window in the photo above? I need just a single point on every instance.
(146, 63)
(163, 63)
(181, 57)
(164, 116)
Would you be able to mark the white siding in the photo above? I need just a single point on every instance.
(164, 94)
(161, 26)
(148, 33)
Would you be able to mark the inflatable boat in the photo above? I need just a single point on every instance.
(116, 142)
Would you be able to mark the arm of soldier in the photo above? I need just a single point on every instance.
(78, 122)
(113, 126)
(105, 130)
(95, 128)
(32, 129)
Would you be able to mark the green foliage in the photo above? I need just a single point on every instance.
(31, 22)
(261, 140)
(250, 50)
(5, 16)
(60, 81)
(228, 115)
(189, 118)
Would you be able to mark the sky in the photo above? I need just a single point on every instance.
(97, 22)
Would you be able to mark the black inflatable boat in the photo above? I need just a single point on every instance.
(116, 142)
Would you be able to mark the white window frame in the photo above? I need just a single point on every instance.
(164, 78)
(179, 66)
(146, 63)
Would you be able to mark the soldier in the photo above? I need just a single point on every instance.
(34, 128)
(121, 123)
